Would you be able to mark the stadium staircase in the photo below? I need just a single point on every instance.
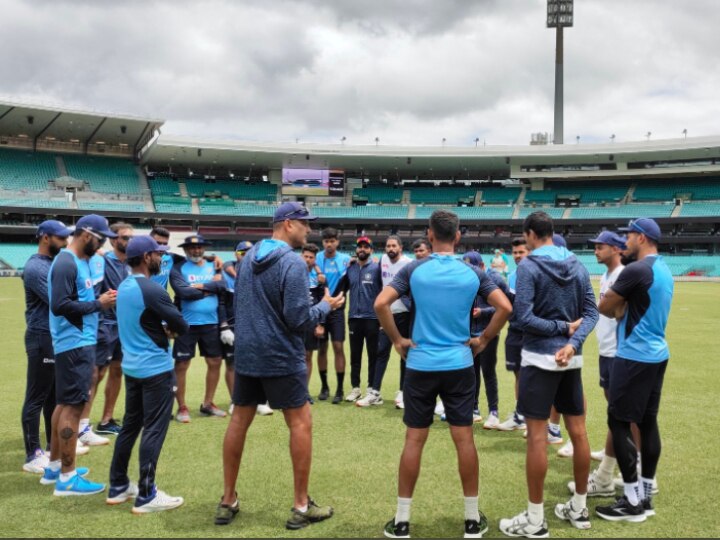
(60, 165)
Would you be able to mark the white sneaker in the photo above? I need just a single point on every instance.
(492, 421)
(477, 417)
(120, 496)
(520, 526)
(354, 395)
(90, 438)
(37, 464)
(399, 401)
(511, 424)
(596, 487)
(161, 502)
(263, 409)
(81, 448)
(580, 519)
(439, 408)
(231, 408)
(373, 397)
(597, 456)
(566, 450)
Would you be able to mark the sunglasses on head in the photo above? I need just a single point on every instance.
(299, 212)
(95, 235)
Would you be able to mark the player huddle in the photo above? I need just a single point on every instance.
(443, 315)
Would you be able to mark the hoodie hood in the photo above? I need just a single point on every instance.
(266, 253)
(557, 263)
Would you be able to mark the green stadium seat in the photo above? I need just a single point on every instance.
(26, 170)
(104, 174)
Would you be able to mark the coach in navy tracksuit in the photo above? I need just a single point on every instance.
(40, 392)
(145, 316)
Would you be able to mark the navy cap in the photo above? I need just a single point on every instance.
(95, 224)
(243, 246)
(473, 258)
(195, 240)
(645, 226)
(140, 245)
(610, 238)
(53, 227)
(292, 210)
(559, 240)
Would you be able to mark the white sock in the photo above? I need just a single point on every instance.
(606, 469)
(64, 477)
(578, 502)
(302, 509)
(632, 492)
(403, 509)
(54, 465)
(84, 423)
(471, 508)
(536, 513)
(647, 485)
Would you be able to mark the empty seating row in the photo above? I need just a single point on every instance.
(104, 174)
(26, 170)
(670, 188)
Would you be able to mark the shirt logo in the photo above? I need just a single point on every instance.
(88, 283)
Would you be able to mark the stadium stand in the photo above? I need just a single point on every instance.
(584, 193)
(671, 188)
(172, 205)
(226, 207)
(555, 213)
(362, 212)
(699, 209)
(499, 195)
(114, 206)
(623, 211)
(378, 194)
(104, 174)
(469, 212)
(234, 189)
(164, 186)
(36, 201)
(441, 195)
(26, 170)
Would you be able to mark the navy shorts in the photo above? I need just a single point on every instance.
(335, 326)
(205, 335)
(285, 392)
(513, 357)
(108, 347)
(228, 353)
(635, 389)
(540, 389)
(73, 375)
(605, 364)
(312, 342)
(456, 388)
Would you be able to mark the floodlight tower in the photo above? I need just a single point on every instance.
(559, 16)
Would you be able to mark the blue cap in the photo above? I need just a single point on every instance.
(140, 245)
(243, 246)
(473, 258)
(292, 210)
(95, 224)
(53, 227)
(645, 226)
(610, 238)
(195, 240)
(559, 240)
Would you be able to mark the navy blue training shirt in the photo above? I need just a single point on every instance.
(479, 324)
(442, 289)
(36, 292)
(364, 284)
(115, 273)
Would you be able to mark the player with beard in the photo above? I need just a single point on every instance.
(40, 390)
(146, 317)
(73, 326)
(316, 281)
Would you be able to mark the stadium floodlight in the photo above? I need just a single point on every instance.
(685, 132)
(559, 16)
(444, 140)
(477, 140)
(648, 135)
(377, 141)
(612, 138)
(343, 139)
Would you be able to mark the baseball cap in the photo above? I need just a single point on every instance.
(140, 245)
(364, 240)
(292, 210)
(610, 238)
(243, 246)
(53, 227)
(195, 240)
(473, 258)
(645, 226)
(95, 224)
(559, 240)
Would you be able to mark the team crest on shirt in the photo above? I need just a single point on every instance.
(88, 283)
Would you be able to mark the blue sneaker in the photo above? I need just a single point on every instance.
(50, 476)
(77, 485)
(554, 435)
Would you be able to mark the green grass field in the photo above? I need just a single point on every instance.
(356, 454)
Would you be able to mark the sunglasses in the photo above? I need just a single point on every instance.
(95, 235)
(126, 237)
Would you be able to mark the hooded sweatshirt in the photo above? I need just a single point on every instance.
(272, 311)
(553, 289)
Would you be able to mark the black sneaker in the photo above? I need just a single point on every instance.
(397, 530)
(648, 507)
(338, 398)
(111, 427)
(622, 510)
(324, 394)
(476, 529)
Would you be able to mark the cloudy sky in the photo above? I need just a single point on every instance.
(407, 71)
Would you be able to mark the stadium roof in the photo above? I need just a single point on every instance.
(442, 161)
(58, 125)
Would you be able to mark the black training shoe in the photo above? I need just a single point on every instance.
(397, 530)
(476, 529)
(622, 510)
(338, 398)
(324, 394)
(111, 427)
(225, 513)
(648, 507)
